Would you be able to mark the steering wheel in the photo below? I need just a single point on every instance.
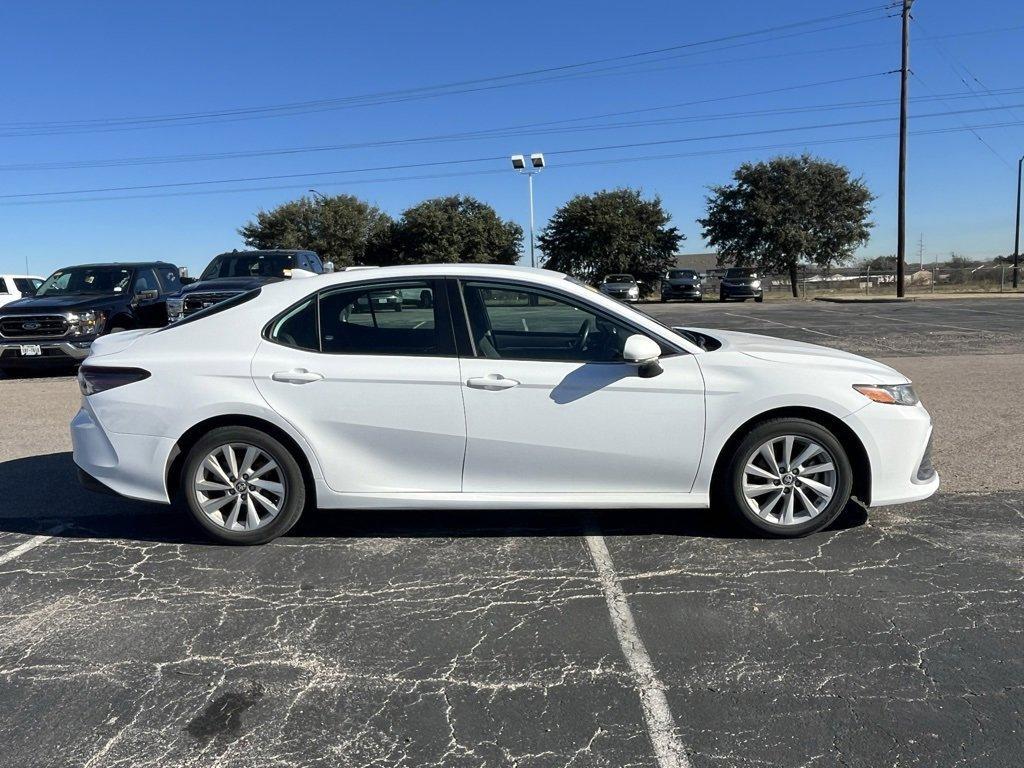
(582, 335)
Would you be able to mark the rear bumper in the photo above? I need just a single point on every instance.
(124, 464)
(54, 353)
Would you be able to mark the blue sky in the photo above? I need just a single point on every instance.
(69, 63)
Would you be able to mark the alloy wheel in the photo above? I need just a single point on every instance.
(240, 487)
(789, 480)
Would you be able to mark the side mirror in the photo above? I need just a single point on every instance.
(147, 295)
(644, 352)
(328, 267)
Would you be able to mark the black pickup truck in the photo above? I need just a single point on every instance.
(237, 272)
(56, 327)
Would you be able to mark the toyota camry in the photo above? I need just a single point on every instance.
(496, 388)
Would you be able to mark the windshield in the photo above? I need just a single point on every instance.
(86, 280)
(619, 279)
(252, 264)
(741, 272)
(677, 274)
(27, 285)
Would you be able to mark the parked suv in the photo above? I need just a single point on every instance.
(230, 274)
(13, 287)
(57, 325)
(740, 283)
(621, 287)
(682, 284)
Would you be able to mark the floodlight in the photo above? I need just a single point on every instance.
(518, 162)
(537, 160)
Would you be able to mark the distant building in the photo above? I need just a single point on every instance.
(701, 262)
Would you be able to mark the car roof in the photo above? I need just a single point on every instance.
(118, 264)
(268, 251)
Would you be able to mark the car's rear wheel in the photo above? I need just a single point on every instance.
(242, 486)
(789, 477)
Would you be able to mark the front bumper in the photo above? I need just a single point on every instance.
(741, 291)
(898, 442)
(52, 353)
(681, 292)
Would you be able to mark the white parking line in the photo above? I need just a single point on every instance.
(658, 717)
(784, 325)
(24, 547)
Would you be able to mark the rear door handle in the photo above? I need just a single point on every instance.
(297, 376)
(492, 382)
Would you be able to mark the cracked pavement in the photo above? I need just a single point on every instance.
(484, 639)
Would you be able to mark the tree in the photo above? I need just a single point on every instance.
(786, 212)
(454, 229)
(342, 229)
(881, 264)
(611, 231)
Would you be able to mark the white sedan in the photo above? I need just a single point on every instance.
(504, 388)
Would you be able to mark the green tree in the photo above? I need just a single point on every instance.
(342, 229)
(611, 231)
(881, 264)
(456, 229)
(786, 212)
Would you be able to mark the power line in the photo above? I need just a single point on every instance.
(24, 128)
(491, 133)
(403, 166)
(489, 172)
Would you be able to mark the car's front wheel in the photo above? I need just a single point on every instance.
(242, 486)
(788, 477)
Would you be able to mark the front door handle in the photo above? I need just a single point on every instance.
(491, 382)
(297, 376)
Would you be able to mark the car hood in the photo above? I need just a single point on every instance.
(805, 356)
(32, 305)
(225, 284)
(619, 286)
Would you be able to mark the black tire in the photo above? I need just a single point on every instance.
(728, 486)
(398, 308)
(117, 329)
(295, 485)
(721, 296)
(759, 299)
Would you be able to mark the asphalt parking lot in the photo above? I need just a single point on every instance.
(537, 639)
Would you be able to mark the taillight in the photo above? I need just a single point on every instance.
(93, 380)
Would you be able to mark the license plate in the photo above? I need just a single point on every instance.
(30, 350)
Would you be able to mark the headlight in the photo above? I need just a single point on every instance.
(87, 323)
(756, 284)
(634, 291)
(892, 394)
(175, 308)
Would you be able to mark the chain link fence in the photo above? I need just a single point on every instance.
(937, 278)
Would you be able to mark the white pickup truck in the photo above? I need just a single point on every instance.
(13, 287)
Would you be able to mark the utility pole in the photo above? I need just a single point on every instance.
(920, 251)
(1016, 229)
(901, 217)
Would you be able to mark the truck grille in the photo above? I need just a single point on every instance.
(197, 301)
(33, 327)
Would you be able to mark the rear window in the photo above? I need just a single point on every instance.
(27, 285)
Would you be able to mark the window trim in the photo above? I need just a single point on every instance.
(3, 285)
(444, 326)
(667, 349)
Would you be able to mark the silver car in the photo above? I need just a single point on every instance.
(622, 287)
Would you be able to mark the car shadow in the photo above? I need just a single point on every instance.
(41, 495)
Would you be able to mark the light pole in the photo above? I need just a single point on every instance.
(1016, 229)
(318, 195)
(536, 166)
